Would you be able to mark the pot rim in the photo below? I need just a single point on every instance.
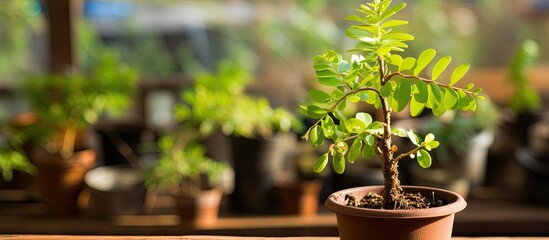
(335, 204)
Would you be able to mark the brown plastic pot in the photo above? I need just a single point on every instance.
(422, 224)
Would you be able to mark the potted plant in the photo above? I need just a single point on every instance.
(524, 110)
(378, 75)
(193, 179)
(65, 106)
(218, 102)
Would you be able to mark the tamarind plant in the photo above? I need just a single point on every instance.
(379, 75)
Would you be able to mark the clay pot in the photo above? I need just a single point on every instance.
(61, 180)
(300, 198)
(423, 224)
(198, 210)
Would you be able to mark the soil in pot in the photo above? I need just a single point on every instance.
(62, 180)
(433, 223)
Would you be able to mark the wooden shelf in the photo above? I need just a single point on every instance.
(485, 216)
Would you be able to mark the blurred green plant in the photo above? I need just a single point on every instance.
(219, 101)
(525, 97)
(68, 104)
(18, 20)
(183, 163)
(380, 76)
(12, 158)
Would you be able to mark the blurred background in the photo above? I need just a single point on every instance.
(229, 76)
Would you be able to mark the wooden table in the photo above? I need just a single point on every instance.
(66, 237)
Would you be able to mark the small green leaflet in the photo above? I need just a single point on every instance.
(319, 96)
(320, 163)
(424, 158)
(440, 66)
(402, 94)
(424, 59)
(354, 151)
(459, 73)
(338, 162)
(407, 64)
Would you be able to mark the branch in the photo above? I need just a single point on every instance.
(407, 154)
(306, 134)
(426, 80)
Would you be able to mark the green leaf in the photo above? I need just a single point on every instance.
(315, 111)
(392, 11)
(416, 107)
(387, 89)
(435, 97)
(413, 137)
(420, 92)
(424, 59)
(402, 94)
(451, 98)
(383, 51)
(368, 150)
(429, 138)
(364, 117)
(320, 163)
(424, 158)
(344, 67)
(398, 36)
(319, 96)
(432, 145)
(355, 125)
(355, 18)
(393, 23)
(354, 98)
(354, 151)
(331, 81)
(338, 162)
(407, 64)
(459, 73)
(396, 60)
(440, 66)
(316, 136)
(463, 103)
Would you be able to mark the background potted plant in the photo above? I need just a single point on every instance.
(193, 179)
(218, 102)
(379, 76)
(465, 139)
(524, 110)
(65, 107)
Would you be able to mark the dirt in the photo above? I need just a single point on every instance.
(406, 201)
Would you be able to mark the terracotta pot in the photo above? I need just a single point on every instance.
(61, 180)
(424, 224)
(200, 209)
(299, 198)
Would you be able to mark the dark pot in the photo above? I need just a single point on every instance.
(254, 162)
(536, 186)
(115, 190)
(422, 224)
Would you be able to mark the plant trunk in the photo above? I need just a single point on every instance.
(389, 167)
